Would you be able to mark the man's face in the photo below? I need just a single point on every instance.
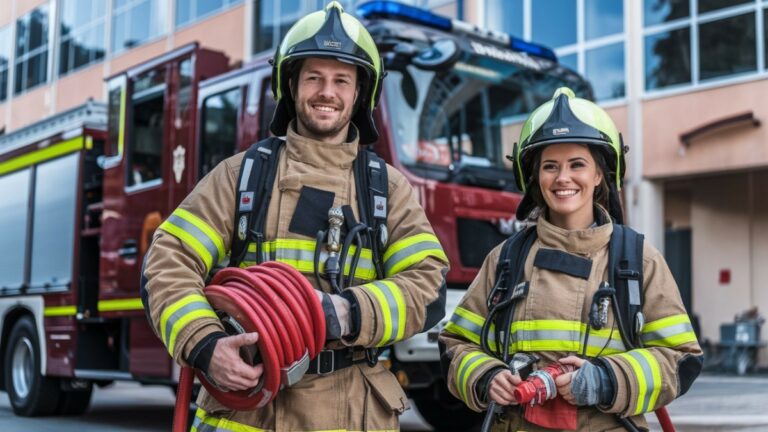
(325, 94)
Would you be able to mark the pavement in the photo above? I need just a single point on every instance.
(721, 403)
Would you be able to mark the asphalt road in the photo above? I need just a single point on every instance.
(714, 403)
(125, 407)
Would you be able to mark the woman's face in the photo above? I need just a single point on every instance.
(568, 176)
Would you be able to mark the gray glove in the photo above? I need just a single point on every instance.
(336, 311)
(592, 386)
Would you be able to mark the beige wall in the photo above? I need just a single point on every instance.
(729, 222)
(74, 89)
(30, 107)
(23, 6)
(5, 15)
(738, 147)
(222, 32)
(677, 206)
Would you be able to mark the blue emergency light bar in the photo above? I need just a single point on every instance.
(395, 10)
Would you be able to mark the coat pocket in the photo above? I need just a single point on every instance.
(386, 389)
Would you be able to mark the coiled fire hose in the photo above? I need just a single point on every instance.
(278, 303)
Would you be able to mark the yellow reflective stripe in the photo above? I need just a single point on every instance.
(393, 310)
(300, 254)
(120, 305)
(669, 331)
(197, 234)
(648, 375)
(468, 364)
(176, 316)
(121, 127)
(60, 311)
(42, 155)
(411, 250)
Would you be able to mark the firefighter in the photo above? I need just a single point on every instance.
(327, 77)
(570, 164)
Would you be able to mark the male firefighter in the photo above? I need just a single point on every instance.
(327, 76)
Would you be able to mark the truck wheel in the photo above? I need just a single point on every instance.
(31, 393)
(74, 402)
(444, 412)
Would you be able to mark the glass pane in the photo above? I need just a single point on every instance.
(96, 42)
(22, 36)
(81, 54)
(119, 24)
(65, 56)
(710, 5)
(140, 24)
(54, 221)
(5, 45)
(765, 36)
(38, 30)
(727, 46)
(68, 17)
(605, 70)
(36, 70)
(205, 7)
(265, 27)
(146, 146)
(659, 11)
(505, 16)
(603, 18)
(668, 58)
(554, 22)
(3, 85)
(183, 12)
(13, 213)
(570, 61)
(158, 17)
(219, 129)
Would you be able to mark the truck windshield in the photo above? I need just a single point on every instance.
(457, 124)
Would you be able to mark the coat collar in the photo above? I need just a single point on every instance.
(586, 241)
(320, 154)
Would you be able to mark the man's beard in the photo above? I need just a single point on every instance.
(317, 129)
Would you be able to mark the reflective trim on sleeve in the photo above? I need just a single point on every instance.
(468, 364)
(300, 254)
(411, 250)
(176, 316)
(392, 307)
(670, 332)
(196, 234)
(468, 324)
(647, 373)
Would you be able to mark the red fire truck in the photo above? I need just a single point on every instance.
(84, 191)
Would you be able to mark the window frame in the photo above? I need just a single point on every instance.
(90, 25)
(692, 22)
(25, 58)
(125, 9)
(8, 30)
(194, 17)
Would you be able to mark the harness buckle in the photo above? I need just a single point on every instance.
(326, 362)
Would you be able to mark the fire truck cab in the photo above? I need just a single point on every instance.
(88, 195)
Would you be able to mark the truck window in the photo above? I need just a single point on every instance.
(145, 155)
(14, 213)
(53, 224)
(219, 137)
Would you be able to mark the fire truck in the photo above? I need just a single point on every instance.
(84, 191)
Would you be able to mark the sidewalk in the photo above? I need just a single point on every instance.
(721, 403)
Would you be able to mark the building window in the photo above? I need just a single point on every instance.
(724, 43)
(5, 61)
(505, 16)
(189, 11)
(31, 50)
(553, 22)
(82, 33)
(604, 66)
(136, 21)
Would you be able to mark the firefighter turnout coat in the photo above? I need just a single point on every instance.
(551, 322)
(197, 235)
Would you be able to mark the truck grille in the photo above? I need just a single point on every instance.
(476, 239)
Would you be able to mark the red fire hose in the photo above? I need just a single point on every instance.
(279, 304)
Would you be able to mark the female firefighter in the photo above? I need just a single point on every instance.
(562, 294)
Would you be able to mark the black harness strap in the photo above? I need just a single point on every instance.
(254, 191)
(626, 261)
(372, 183)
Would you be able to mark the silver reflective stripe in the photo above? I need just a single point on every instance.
(600, 343)
(246, 174)
(667, 332)
(394, 311)
(176, 316)
(408, 251)
(537, 335)
(199, 235)
(363, 263)
(650, 384)
(472, 327)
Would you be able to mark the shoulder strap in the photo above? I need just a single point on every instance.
(254, 191)
(510, 268)
(372, 183)
(625, 259)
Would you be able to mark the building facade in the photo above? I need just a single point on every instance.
(683, 79)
